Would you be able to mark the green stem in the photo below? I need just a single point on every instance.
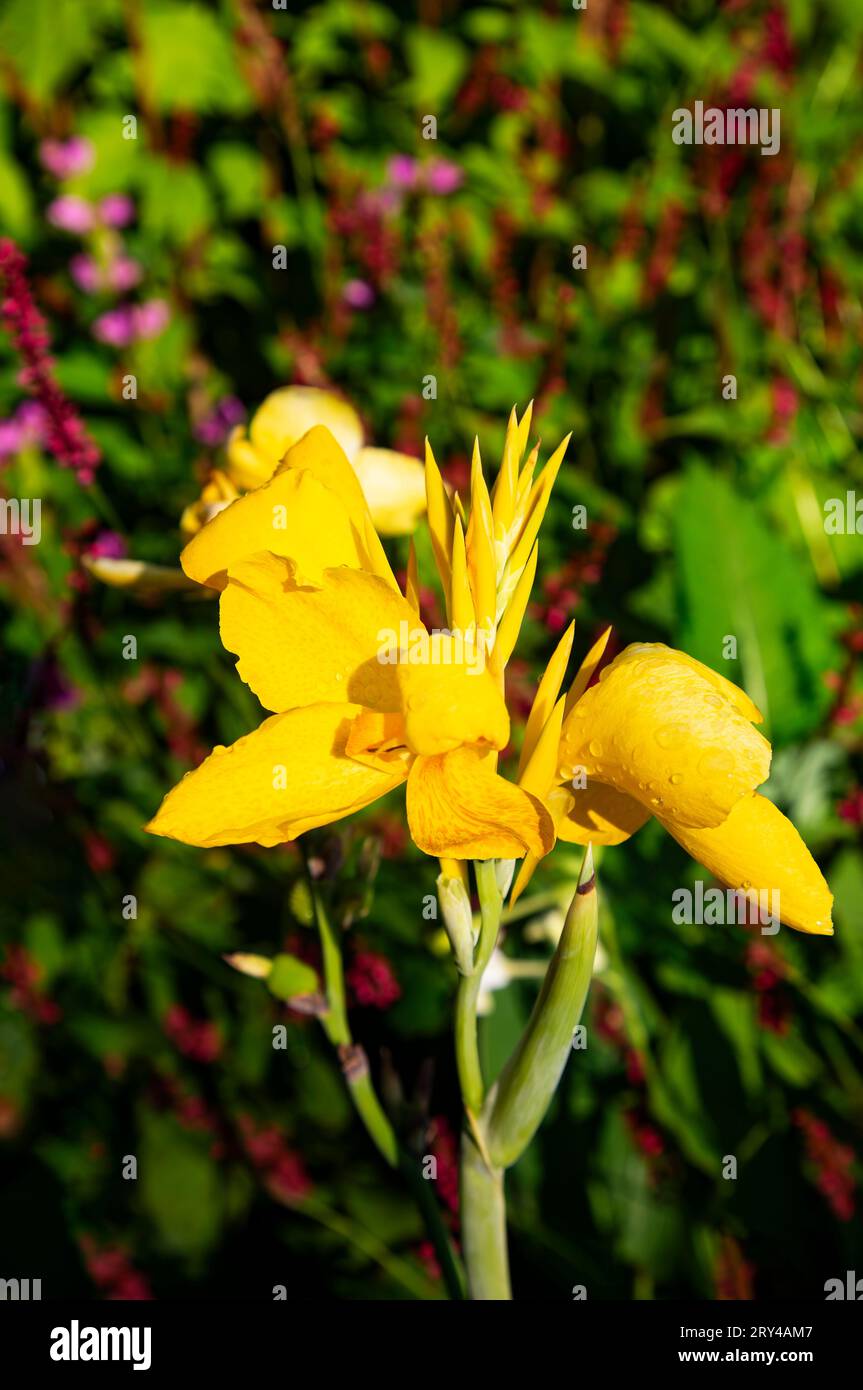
(483, 1208)
(466, 1043)
(483, 1224)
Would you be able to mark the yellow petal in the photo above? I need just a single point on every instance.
(546, 697)
(595, 814)
(318, 452)
(394, 487)
(289, 413)
(142, 579)
(246, 466)
(480, 547)
(539, 773)
(584, 675)
(536, 506)
(458, 807)
(510, 625)
(757, 850)
(216, 493)
(412, 579)
(461, 600)
(506, 483)
(294, 515)
(300, 645)
(656, 728)
(289, 776)
(449, 696)
(440, 517)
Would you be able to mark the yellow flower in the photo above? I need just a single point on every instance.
(393, 483)
(661, 734)
(363, 696)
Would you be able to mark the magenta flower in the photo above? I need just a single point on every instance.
(403, 171)
(121, 326)
(151, 318)
(71, 214)
(117, 210)
(442, 176)
(108, 545)
(64, 433)
(116, 327)
(119, 274)
(358, 294)
(63, 158)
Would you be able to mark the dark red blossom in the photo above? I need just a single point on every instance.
(65, 434)
(371, 981)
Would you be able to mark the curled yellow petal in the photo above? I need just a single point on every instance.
(218, 491)
(290, 775)
(657, 729)
(595, 814)
(301, 645)
(287, 414)
(293, 515)
(758, 851)
(394, 488)
(458, 807)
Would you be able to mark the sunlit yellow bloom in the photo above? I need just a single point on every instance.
(393, 483)
(363, 696)
(660, 734)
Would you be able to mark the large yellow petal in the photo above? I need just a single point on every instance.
(458, 807)
(293, 515)
(394, 486)
(300, 645)
(290, 775)
(757, 850)
(449, 695)
(659, 730)
(596, 814)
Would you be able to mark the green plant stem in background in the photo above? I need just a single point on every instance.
(364, 1096)
(335, 1025)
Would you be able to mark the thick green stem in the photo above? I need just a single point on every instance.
(483, 1209)
(483, 1226)
(530, 1078)
(466, 1045)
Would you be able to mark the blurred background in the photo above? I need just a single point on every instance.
(153, 257)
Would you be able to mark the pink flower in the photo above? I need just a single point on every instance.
(117, 210)
(403, 171)
(151, 318)
(121, 326)
(71, 214)
(442, 176)
(107, 545)
(63, 158)
(358, 294)
(118, 274)
(116, 327)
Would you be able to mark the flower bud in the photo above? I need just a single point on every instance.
(458, 920)
(258, 967)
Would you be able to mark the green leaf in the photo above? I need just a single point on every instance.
(178, 1186)
(737, 578)
(437, 62)
(190, 61)
(291, 976)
